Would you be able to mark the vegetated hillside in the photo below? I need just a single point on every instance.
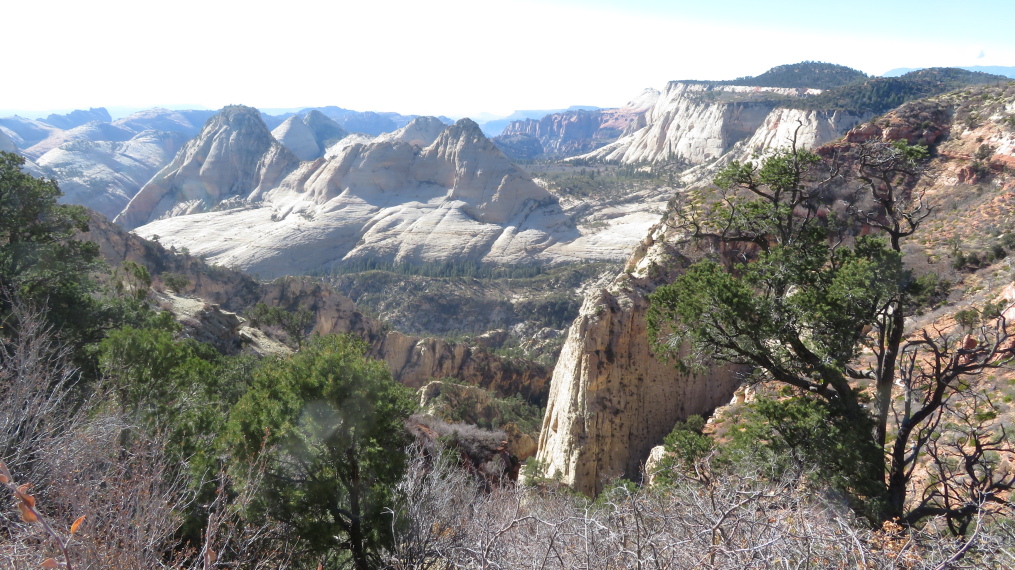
(522, 311)
(880, 94)
(412, 360)
(968, 241)
(759, 507)
(807, 74)
(1007, 71)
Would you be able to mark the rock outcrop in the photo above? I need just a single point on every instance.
(458, 198)
(99, 163)
(611, 398)
(235, 156)
(695, 122)
(575, 131)
(611, 401)
(78, 117)
(421, 132)
(415, 361)
(473, 405)
(412, 360)
(519, 147)
(808, 128)
(189, 123)
(7, 144)
(94, 131)
(226, 331)
(26, 132)
(309, 136)
(105, 175)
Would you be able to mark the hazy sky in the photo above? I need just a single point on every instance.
(460, 57)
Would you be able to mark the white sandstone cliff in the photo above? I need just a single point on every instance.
(696, 123)
(457, 198)
(234, 157)
(7, 143)
(105, 175)
(309, 136)
(574, 132)
(611, 399)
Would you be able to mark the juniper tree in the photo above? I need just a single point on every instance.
(792, 289)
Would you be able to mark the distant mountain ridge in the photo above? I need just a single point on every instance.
(1006, 71)
(103, 164)
(807, 74)
(496, 127)
(571, 132)
(308, 137)
(78, 118)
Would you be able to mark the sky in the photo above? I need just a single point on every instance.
(459, 57)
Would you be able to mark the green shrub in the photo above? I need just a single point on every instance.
(175, 282)
(329, 424)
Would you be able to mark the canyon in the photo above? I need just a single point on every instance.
(304, 194)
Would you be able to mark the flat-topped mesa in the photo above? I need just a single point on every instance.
(697, 122)
(234, 156)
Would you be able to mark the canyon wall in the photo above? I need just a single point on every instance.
(574, 132)
(695, 123)
(611, 397)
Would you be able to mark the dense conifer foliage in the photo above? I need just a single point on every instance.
(794, 290)
(40, 261)
(332, 424)
(807, 74)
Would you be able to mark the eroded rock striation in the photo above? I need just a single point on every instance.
(391, 199)
(7, 144)
(26, 132)
(696, 122)
(105, 175)
(611, 399)
(188, 122)
(93, 131)
(235, 156)
(310, 135)
(575, 131)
